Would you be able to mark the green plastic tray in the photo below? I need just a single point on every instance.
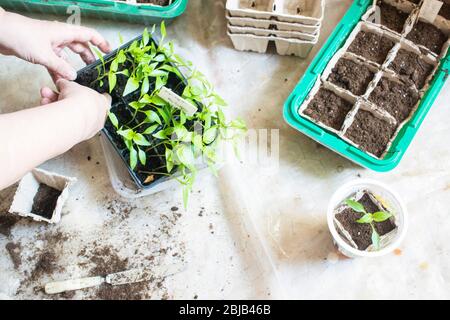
(101, 9)
(332, 141)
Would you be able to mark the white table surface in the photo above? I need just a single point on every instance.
(214, 236)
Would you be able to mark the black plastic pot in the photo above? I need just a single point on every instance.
(119, 102)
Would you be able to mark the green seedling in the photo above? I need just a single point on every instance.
(369, 218)
(156, 124)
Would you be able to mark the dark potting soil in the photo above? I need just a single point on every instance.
(360, 233)
(371, 46)
(391, 17)
(328, 108)
(157, 2)
(44, 202)
(445, 11)
(428, 35)
(397, 99)
(14, 251)
(370, 133)
(352, 76)
(411, 67)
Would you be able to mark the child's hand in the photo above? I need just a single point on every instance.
(91, 105)
(42, 42)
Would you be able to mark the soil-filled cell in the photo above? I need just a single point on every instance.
(351, 76)
(44, 202)
(428, 35)
(391, 17)
(398, 99)
(328, 108)
(371, 46)
(371, 133)
(412, 67)
(361, 233)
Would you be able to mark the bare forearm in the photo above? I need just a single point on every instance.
(31, 137)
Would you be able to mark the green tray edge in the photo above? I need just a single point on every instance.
(104, 9)
(333, 142)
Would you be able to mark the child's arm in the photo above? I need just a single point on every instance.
(32, 136)
(42, 42)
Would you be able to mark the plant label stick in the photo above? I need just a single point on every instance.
(430, 9)
(177, 101)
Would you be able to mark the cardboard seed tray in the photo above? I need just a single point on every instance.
(275, 33)
(308, 12)
(285, 46)
(406, 131)
(272, 24)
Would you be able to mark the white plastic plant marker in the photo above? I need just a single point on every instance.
(176, 101)
(384, 194)
(23, 199)
(430, 10)
(115, 279)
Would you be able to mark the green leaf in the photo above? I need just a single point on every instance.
(127, 134)
(169, 160)
(112, 80)
(145, 37)
(367, 218)
(219, 101)
(152, 116)
(145, 86)
(142, 157)
(221, 116)
(164, 115)
(120, 38)
(150, 129)
(160, 135)
(114, 65)
(375, 239)
(140, 140)
(381, 216)
(210, 135)
(136, 105)
(158, 73)
(113, 119)
(98, 53)
(132, 85)
(133, 158)
(238, 124)
(159, 83)
(121, 57)
(185, 156)
(159, 58)
(163, 30)
(125, 72)
(356, 206)
(197, 141)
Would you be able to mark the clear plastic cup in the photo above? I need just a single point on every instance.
(389, 199)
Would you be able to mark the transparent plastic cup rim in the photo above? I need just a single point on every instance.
(339, 196)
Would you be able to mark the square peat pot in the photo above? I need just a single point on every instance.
(400, 143)
(103, 9)
(41, 195)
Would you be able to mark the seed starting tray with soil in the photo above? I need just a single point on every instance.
(371, 86)
(139, 11)
(119, 106)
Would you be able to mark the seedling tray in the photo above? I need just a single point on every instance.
(103, 9)
(302, 91)
(107, 133)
